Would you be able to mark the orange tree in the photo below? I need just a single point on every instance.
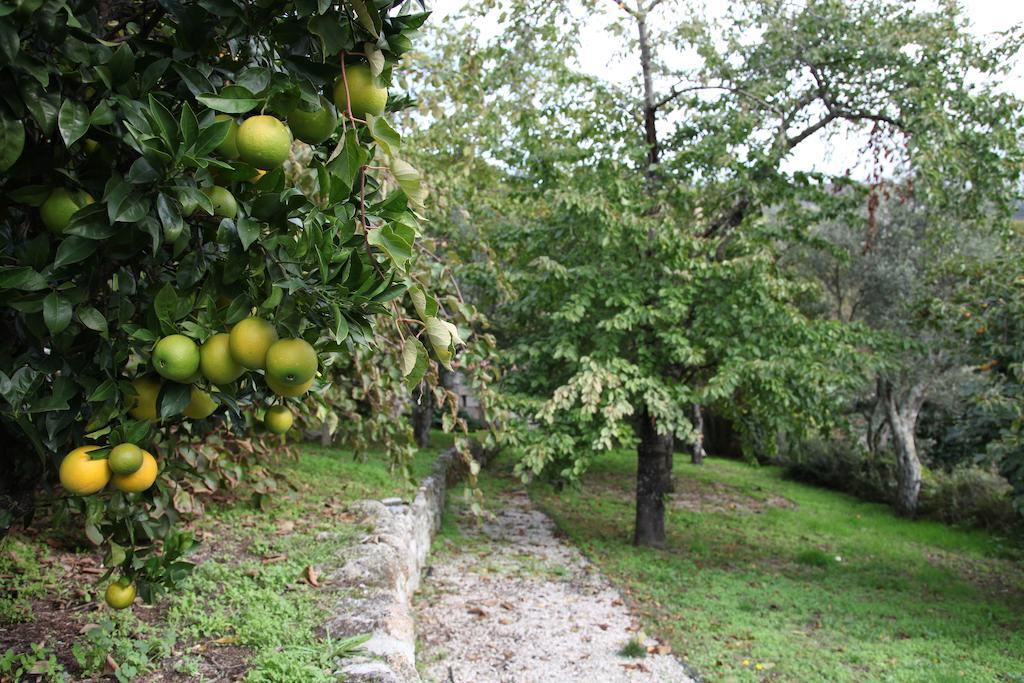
(149, 204)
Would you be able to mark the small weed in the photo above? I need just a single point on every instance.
(40, 661)
(633, 649)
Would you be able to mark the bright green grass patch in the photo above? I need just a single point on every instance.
(767, 577)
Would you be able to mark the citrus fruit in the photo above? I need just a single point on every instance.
(313, 126)
(229, 148)
(142, 406)
(365, 95)
(200, 404)
(291, 363)
(176, 357)
(278, 419)
(82, 476)
(124, 458)
(249, 341)
(60, 206)
(263, 141)
(120, 594)
(286, 390)
(215, 361)
(139, 480)
(224, 203)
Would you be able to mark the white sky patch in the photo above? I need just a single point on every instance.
(602, 57)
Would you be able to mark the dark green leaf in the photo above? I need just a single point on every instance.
(9, 42)
(189, 126)
(368, 15)
(211, 136)
(56, 312)
(73, 249)
(12, 141)
(173, 399)
(73, 121)
(92, 319)
(23, 278)
(229, 105)
(248, 231)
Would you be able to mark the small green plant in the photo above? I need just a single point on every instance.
(135, 646)
(23, 580)
(39, 662)
(633, 649)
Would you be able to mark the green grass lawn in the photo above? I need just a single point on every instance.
(767, 579)
(248, 608)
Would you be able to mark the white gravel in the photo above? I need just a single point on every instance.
(516, 604)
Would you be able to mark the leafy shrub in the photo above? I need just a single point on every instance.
(843, 466)
(969, 495)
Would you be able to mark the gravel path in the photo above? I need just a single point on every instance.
(510, 602)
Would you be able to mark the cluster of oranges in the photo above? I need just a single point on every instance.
(289, 365)
(261, 141)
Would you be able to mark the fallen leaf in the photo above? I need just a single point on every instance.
(286, 527)
(603, 627)
(311, 575)
(274, 558)
(617, 603)
(225, 640)
(110, 666)
(477, 611)
(508, 606)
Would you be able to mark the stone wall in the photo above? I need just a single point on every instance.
(381, 574)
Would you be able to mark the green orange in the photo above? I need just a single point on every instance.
(313, 127)
(125, 458)
(229, 147)
(223, 201)
(263, 141)
(142, 406)
(364, 93)
(249, 341)
(176, 357)
(200, 404)
(120, 594)
(60, 206)
(278, 419)
(215, 361)
(139, 480)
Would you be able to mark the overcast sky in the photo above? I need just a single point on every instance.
(987, 16)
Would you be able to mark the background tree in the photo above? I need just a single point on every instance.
(636, 271)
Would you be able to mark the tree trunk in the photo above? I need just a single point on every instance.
(422, 414)
(325, 434)
(652, 478)
(697, 451)
(902, 413)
